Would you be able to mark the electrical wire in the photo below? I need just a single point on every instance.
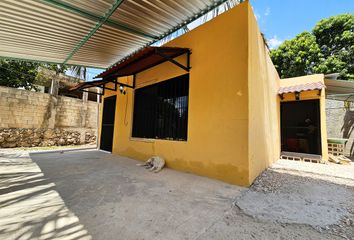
(126, 110)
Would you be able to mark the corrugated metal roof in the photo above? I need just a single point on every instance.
(339, 86)
(340, 90)
(94, 33)
(302, 87)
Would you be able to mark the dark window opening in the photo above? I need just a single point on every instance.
(300, 127)
(161, 110)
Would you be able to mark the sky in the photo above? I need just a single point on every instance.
(280, 20)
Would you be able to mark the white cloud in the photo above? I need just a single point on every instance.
(267, 11)
(274, 42)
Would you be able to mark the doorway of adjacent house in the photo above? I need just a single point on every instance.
(301, 127)
(109, 109)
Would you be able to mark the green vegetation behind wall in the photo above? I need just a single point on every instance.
(328, 48)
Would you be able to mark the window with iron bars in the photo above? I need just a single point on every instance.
(161, 110)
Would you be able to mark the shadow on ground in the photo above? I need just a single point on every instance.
(76, 195)
(115, 199)
(30, 206)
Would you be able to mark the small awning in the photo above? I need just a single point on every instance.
(138, 62)
(301, 88)
(144, 59)
(90, 84)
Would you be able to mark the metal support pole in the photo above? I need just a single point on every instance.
(97, 116)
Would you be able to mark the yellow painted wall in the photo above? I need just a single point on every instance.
(264, 116)
(217, 144)
(109, 93)
(302, 80)
(309, 95)
(234, 108)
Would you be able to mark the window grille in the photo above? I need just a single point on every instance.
(161, 110)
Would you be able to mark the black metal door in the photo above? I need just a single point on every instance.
(109, 109)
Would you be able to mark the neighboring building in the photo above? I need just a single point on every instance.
(209, 103)
(340, 112)
(49, 80)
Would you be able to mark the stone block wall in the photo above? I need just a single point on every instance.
(75, 112)
(40, 119)
(22, 109)
(340, 123)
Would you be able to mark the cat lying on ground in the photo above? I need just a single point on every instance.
(154, 163)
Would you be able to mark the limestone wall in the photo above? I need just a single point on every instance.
(39, 119)
(340, 123)
(73, 112)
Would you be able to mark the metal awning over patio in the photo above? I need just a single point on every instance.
(88, 32)
(136, 63)
(144, 59)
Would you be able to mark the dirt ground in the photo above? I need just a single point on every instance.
(318, 195)
(89, 194)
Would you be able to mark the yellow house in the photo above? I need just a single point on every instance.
(209, 102)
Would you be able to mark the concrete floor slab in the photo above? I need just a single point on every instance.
(30, 206)
(112, 195)
(91, 194)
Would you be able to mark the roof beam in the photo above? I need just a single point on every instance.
(108, 13)
(44, 62)
(92, 16)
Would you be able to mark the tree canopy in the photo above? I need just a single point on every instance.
(18, 74)
(296, 57)
(14, 73)
(329, 48)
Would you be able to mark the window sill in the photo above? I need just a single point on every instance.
(148, 140)
(151, 140)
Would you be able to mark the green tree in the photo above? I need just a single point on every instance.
(296, 57)
(18, 74)
(335, 37)
(329, 48)
(14, 73)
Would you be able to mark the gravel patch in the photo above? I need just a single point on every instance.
(318, 195)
